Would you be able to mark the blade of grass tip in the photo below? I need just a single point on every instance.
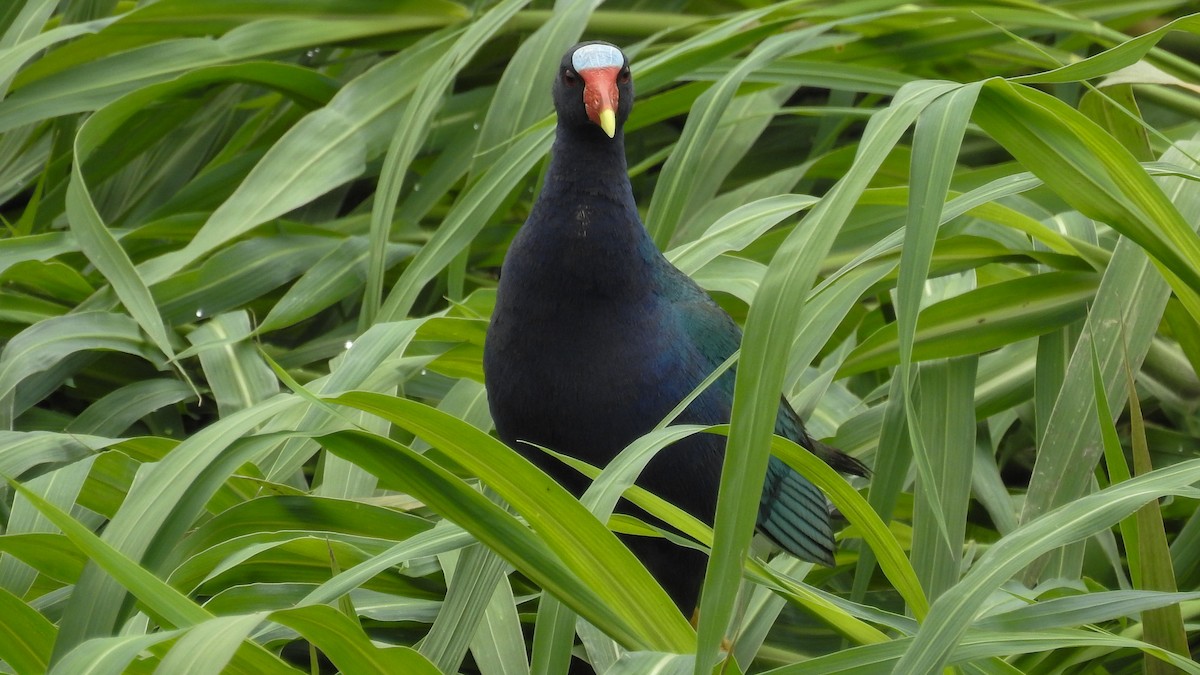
(1114, 460)
(936, 143)
(1164, 625)
(155, 594)
(769, 334)
(520, 99)
(411, 134)
(947, 414)
(300, 390)
(1132, 295)
(892, 460)
(103, 250)
(953, 613)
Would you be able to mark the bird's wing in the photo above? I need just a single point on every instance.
(791, 511)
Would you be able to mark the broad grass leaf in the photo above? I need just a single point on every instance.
(760, 372)
(345, 643)
(302, 514)
(983, 319)
(109, 655)
(1093, 173)
(209, 646)
(410, 135)
(238, 275)
(46, 343)
(1079, 610)
(334, 277)
(156, 596)
(736, 230)
(16, 250)
(233, 367)
(86, 77)
(1163, 625)
(488, 522)
(945, 410)
(1132, 295)
(164, 499)
(952, 614)
(26, 636)
(584, 545)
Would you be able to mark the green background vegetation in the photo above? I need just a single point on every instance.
(248, 257)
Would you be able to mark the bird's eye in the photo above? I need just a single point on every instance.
(623, 78)
(569, 78)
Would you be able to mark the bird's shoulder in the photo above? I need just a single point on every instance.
(705, 324)
(716, 336)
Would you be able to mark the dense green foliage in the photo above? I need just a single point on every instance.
(249, 253)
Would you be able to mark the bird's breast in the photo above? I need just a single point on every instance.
(586, 382)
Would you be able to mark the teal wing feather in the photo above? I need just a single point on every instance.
(792, 511)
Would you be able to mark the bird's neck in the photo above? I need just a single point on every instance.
(586, 219)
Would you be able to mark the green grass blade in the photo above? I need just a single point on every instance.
(47, 343)
(112, 414)
(953, 612)
(945, 410)
(345, 643)
(1094, 174)
(521, 97)
(981, 320)
(165, 498)
(155, 595)
(233, 368)
(1132, 295)
(26, 637)
(1163, 625)
(410, 135)
(583, 543)
(466, 219)
(760, 373)
(485, 520)
(1090, 608)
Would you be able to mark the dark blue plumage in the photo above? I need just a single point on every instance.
(596, 337)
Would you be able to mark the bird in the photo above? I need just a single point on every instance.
(595, 337)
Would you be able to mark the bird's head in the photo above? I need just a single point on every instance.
(593, 87)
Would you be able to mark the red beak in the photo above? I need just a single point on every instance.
(600, 96)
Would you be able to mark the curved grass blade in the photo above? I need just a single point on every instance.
(981, 320)
(411, 134)
(584, 544)
(156, 596)
(26, 637)
(955, 611)
(46, 343)
(492, 525)
(347, 646)
(769, 330)
(466, 219)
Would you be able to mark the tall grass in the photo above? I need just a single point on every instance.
(249, 255)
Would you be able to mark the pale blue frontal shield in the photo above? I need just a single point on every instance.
(597, 56)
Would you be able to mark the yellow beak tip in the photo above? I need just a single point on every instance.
(608, 122)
